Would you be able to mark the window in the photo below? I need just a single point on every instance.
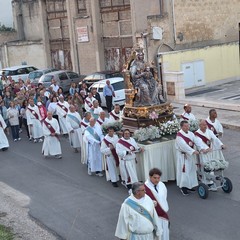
(101, 86)
(82, 9)
(72, 75)
(48, 78)
(97, 77)
(63, 76)
(118, 85)
(30, 69)
(90, 77)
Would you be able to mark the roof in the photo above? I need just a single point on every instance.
(16, 67)
(112, 80)
(106, 72)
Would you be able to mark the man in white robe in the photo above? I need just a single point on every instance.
(214, 124)
(115, 115)
(102, 119)
(108, 148)
(62, 109)
(84, 146)
(187, 115)
(138, 219)
(126, 149)
(88, 102)
(157, 191)
(186, 161)
(51, 144)
(94, 136)
(4, 144)
(73, 121)
(34, 121)
(209, 140)
(95, 110)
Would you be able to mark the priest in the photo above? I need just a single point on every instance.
(116, 114)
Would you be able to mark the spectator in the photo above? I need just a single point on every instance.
(108, 93)
(73, 89)
(96, 95)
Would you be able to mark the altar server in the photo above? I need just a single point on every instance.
(126, 149)
(34, 121)
(187, 115)
(214, 124)
(93, 135)
(88, 102)
(157, 191)
(138, 219)
(4, 145)
(51, 145)
(108, 148)
(102, 119)
(62, 109)
(73, 121)
(115, 115)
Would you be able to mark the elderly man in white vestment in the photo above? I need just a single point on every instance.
(62, 109)
(108, 148)
(157, 191)
(102, 119)
(115, 115)
(95, 110)
(73, 121)
(126, 149)
(88, 102)
(208, 140)
(94, 136)
(4, 144)
(34, 121)
(186, 160)
(138, 219)
(187, 115)
(51, 144)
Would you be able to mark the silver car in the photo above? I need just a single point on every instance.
(64, 79)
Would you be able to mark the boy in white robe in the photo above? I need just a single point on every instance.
(138, 219)
(108, 148)
(73, 121)
(62, 109)
(157, 191)
(4, 144)
(34, 121)
(186, 161)
(51, 144)
(93, 135)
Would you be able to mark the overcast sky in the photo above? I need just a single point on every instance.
(6, 13)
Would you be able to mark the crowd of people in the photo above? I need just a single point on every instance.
(48, 114)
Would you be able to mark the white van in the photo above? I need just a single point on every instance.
(119, 89)
(17, 72)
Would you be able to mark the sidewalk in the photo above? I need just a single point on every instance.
(228, 114)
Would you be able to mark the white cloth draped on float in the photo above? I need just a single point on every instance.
(35, 130)
(214, 157)
(161, 197)
(51, 144)
(133, 225)
(3, 139)
(112, 173)
(186, 160)
(127, 161)
(94, 136)
(73, 121)
(62, 110)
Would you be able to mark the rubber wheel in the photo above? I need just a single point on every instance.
(227, 185)
(202, 191)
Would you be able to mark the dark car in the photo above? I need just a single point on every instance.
(97, 76)
(35, 75)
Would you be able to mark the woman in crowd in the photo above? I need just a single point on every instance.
(73, 89)
(13, 114)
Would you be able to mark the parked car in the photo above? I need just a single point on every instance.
(17, 72)
(119, 89)
(64, 79)
(97, 76)
(35, 75)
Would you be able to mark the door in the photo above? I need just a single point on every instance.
(193, 74)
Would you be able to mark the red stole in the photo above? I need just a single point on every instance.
(84, 124)
(186, 139)
(33, 113)
(205, 139)
(113, 151)
(50, 128)
(100, 123)
(88, 103)
(158, 208)
(185, 118)
(211, 127)
(114, 116)
(127, 145)
(63, 107)
(1, 125)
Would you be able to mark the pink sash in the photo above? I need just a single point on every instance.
(33, 113)
(205, 139)
(113, 151)
(127, 145)
(114, 116)
(158, 208)
(211, 127)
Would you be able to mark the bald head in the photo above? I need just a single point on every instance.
(92, 122)
(72, 108)
(102, 115)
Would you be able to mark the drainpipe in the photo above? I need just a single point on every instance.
(161, 7)
(174, 21)
(6, 55)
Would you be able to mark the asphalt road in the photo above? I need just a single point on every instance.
(81, 207)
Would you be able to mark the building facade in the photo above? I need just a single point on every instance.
(195, 39)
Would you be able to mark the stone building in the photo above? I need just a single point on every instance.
(191, 40)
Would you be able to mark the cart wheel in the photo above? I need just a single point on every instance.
(227, 185)
(202, 191)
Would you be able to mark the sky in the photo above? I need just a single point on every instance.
(6, 13)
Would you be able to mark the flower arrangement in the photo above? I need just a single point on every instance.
(143, 134)
(216, 165)
(194, 125)
(169, 128)
(117, 125)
